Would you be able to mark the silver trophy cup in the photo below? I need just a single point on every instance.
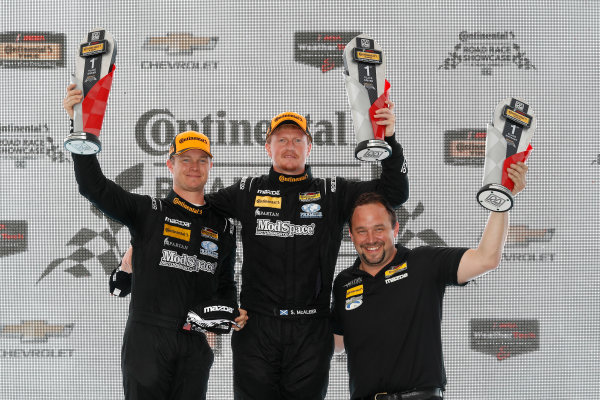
(367, 90)
(94, 69)
(507, 142)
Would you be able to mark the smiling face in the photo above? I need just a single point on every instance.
(373, 236)
(190, 171)
(289, 147)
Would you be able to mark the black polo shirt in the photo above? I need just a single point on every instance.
(391, 322)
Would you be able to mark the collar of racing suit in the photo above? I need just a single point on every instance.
(180, 202)
(290, 180)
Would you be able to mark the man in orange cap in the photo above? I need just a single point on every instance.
(291, 233)
(183, 267)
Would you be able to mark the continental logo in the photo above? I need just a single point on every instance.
(288, 116)
(93, 49)
(267, 201)
(395, 270)
(290, 179)
(32, 50)
(209, 233)
(354, 291)
(36, 331)
(180, 43)
(185, 139)
(310, 196)
(185, 206)
(177, 232)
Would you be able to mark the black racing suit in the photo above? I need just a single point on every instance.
(292, 229)
(182, 255)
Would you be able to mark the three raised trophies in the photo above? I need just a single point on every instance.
(367, 90)
(507, 142)
(94, 69)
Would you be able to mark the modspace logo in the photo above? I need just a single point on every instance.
(32, 50)
(487, 51)
(179, 51)
(322, 50)
(504, 338)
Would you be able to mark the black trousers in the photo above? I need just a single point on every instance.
(276, 358)
(164, 363)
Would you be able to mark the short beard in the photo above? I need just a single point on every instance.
(372, 264)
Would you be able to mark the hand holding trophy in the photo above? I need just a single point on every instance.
(368, 91)
(94, 69)
(507, 142)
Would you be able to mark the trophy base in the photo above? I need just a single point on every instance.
(82, 143)
(495, 197)
(372, 150)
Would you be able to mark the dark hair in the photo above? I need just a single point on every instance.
(373, 198)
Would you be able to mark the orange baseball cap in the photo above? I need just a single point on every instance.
(189, 140)
(289, 117)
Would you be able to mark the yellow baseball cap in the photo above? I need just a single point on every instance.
(190, 140)
(289, 117)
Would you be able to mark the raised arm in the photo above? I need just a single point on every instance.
(487, 256)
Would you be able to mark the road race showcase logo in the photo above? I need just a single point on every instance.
(179, 51)
(464, 147)
(322, 50)
(23, 143)
(32, 50)
(504, 338)
(487, 51)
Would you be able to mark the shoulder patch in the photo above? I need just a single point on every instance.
(243, 182)
(333, 184)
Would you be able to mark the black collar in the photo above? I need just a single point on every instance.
(401, 255)
(290, 180)
(180, 202)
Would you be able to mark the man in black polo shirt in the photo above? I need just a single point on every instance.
(387, 307)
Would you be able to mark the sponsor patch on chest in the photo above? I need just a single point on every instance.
(354, 291)
(209, 233)
(394, 270)
(177, 232)
(309, 196)
(267, 201)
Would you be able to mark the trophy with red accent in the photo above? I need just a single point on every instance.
(94, 69)
(506, 143)
(367, 90)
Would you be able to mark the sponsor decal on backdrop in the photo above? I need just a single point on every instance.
(487, 51)
(23, 143)
(464, 147)
(520, 237)
(322, 50)
(504, 338)
(34, 332)
(13, 237)
(32, 50)
(156, 128)
(181, 50)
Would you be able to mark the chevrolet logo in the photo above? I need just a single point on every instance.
(180, 43)
(35, 331)
(521, 235)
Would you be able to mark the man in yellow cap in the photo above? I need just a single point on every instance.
(291, 233)
(183, 267)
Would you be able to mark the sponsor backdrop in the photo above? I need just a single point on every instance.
(527, 331)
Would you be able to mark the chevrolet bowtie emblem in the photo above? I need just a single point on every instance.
(180, 43)
(35, 331)
(522, 235)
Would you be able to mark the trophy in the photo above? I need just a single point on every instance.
(506, 143)
(94, 69)
(367, 90)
